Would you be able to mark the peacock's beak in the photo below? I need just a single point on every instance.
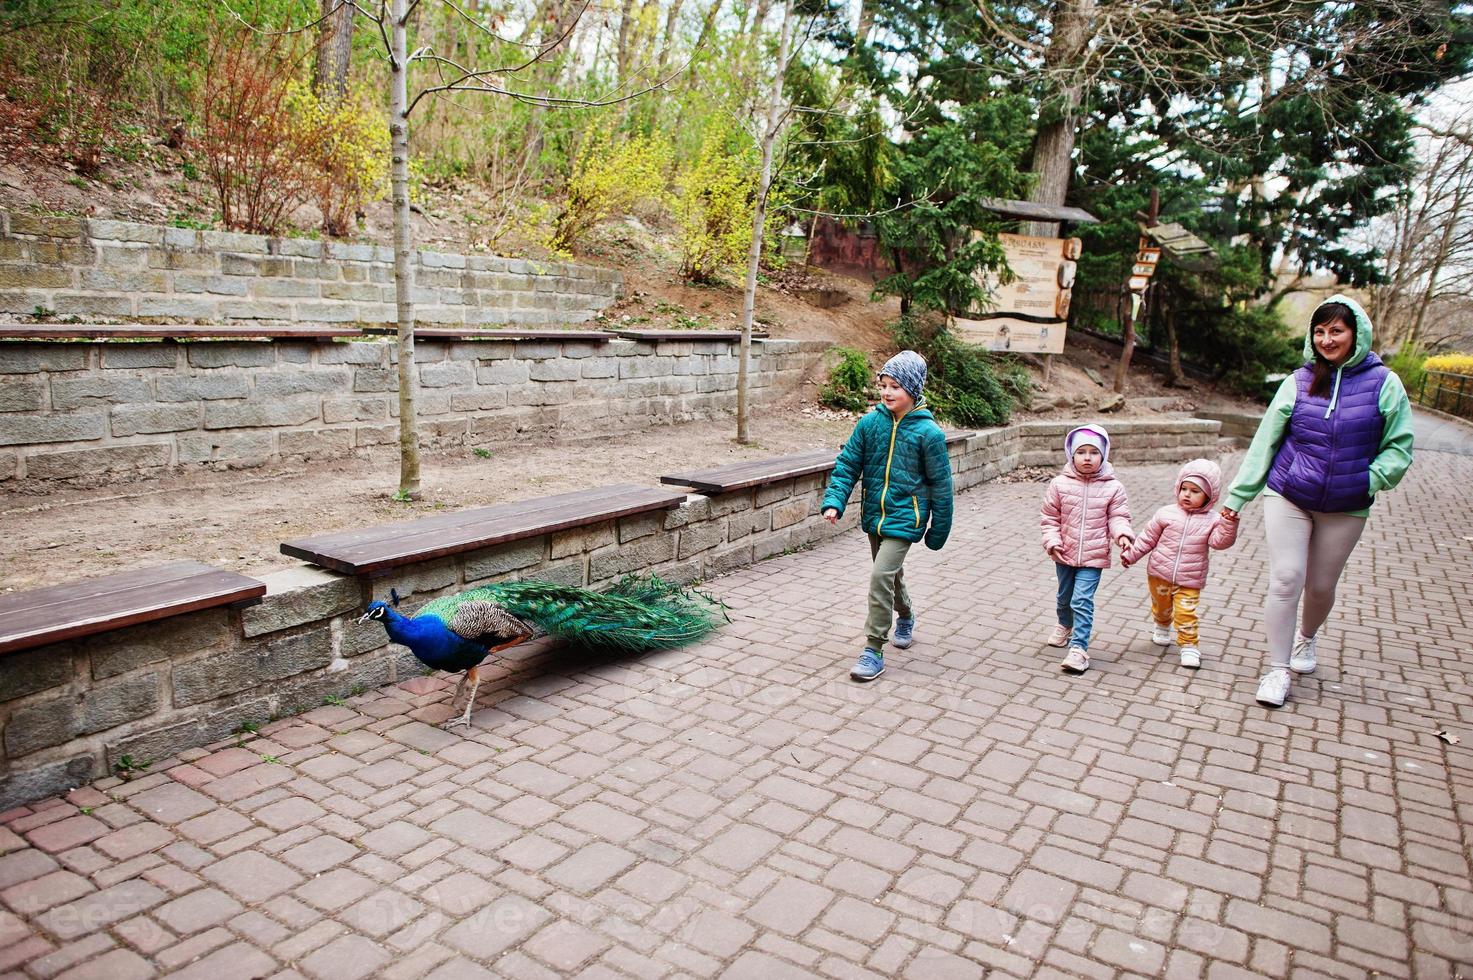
(365, 617)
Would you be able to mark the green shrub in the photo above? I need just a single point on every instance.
(965, 384)
(1410, 364)
(851, 383)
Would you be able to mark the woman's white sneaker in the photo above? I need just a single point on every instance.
(1191, 657)
(1274, 688)
(1302, 661)
(1161, 635)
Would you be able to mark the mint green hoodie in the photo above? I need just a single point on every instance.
(1394, 455)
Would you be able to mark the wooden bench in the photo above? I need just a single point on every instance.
(759, 472)
(492, 333)
(65, 612)
(164, 331)
(656, 335)
(374, 550)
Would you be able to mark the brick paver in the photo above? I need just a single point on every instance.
(741, 807)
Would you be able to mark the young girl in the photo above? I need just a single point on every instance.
(900, 453)
(1178, 538)
(1084, 510)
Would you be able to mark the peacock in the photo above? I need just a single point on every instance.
(458, 632)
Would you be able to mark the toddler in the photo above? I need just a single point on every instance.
(1178, 538)
(1084, 510)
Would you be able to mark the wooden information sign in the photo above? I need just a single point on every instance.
(1027, 314)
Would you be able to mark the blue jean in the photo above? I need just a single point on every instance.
(1076, 601)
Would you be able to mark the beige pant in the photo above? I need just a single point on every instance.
(1307, 551)
(887, 594)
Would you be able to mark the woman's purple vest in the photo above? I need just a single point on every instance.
(1324, 464)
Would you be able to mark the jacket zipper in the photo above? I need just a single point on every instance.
(894, 427)
(916, 506)
(1083, 514)
(1176, 562)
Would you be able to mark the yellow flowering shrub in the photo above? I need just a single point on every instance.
(610, 177)
(715, 207)
(1450, 363)
(348, 156)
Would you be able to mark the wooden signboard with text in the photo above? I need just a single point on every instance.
(1027, 314)
(1011, 333)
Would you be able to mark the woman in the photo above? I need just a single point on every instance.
(1338, 432)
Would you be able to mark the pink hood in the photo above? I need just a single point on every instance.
(1179, 541)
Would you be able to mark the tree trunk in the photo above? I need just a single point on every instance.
(334, 48)
(1053, 145)
(759, 216)
(403, 248)
(621, 55)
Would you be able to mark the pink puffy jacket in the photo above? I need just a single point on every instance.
(1177, 539)
(1084, 515)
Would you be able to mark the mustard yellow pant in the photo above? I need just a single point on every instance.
(1175, 605)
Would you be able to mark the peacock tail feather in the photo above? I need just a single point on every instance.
(636, 614)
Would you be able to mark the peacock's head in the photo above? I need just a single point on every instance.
(376, 610)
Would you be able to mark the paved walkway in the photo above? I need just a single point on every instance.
(742, 808)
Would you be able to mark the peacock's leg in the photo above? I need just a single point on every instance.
(458, 688)
(474, 676)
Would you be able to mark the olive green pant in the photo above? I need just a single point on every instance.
(887, 595)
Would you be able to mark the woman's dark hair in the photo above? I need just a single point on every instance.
(1319, 385)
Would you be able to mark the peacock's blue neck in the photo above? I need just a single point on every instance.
(432, 642)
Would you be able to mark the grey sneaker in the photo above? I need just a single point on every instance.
(1161, 635)
(871, 664)
(1191, 657)
(1302, 661)
(904, 633)
(1274, 688)
(1076, 661)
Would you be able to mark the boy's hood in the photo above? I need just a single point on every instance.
(1206, 474)
(1362, 333)
(1093, 427)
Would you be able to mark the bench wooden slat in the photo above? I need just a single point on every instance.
(155, 331)
(373, 550)
(659, 335)
(64, 612)
(756, 472)
(738, 476)
(492, 334)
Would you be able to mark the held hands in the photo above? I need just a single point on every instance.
(1231, 516)
(1124, 541)
(831, 515)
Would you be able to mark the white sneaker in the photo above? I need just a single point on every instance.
(1302, 661)
(1274, 687)
(1076, 661)
(1191, 657)
(1161, 635)
(1059, 636)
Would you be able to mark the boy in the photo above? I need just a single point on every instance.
(899, 453)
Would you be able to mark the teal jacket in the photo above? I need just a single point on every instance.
(905, 476)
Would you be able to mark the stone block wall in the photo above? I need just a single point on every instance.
(103, 410)
(73, 711)
(89, 267)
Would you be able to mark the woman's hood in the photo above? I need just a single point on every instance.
(1362, 332)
